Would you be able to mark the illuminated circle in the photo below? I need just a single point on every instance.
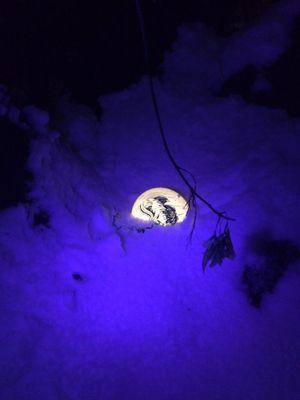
(160, 205)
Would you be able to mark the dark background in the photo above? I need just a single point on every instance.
(50, 48)
(88, 48)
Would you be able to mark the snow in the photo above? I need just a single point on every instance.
(144, 322)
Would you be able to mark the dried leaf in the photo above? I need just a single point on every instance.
(218, 247)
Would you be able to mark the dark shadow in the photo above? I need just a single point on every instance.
(41, 218)
(283, 78)
(273, 259)
(14, 177)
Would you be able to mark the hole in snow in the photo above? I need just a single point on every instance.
(77, 277)
(41, 218)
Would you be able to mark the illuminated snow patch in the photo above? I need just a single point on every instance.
(163, 206)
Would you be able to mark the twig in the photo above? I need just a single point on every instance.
(194, 193)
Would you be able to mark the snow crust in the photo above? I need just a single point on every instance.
(143, 322)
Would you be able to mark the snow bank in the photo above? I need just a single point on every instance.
(141, 321)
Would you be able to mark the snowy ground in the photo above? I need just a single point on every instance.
(143, 321)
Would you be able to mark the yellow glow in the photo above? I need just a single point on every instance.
(160, 205)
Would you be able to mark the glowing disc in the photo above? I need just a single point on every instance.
(163, 206)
